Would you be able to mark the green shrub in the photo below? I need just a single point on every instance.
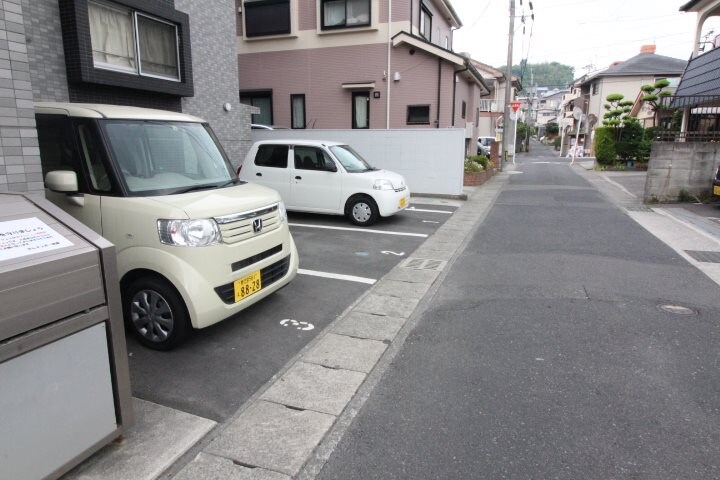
(631, 137)
(471, 166)
(481, 159)
(605, 148)
(556, 143)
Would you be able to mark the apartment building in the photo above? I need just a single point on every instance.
(356, 64)
(170, 54)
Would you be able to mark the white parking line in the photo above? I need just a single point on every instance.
(413, 209)
(337, 276)
(365, 230)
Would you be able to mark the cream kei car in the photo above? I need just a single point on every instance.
(325, 177)
(195, 245)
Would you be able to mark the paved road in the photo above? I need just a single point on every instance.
(545, 353)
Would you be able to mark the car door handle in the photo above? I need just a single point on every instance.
(258, 174)
(298, 178)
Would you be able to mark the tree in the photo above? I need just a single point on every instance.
(617, 110)
(653, 95)
(547, 74)
(552, 129)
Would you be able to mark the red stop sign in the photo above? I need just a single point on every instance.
(515, 106)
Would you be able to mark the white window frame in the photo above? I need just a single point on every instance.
(136, 44)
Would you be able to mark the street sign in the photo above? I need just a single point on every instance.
(515, 106)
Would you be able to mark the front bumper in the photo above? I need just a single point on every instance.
(390, 202)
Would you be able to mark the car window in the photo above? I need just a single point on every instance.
(312, 158)
(274, 156)
(351, 161)
(92, 155)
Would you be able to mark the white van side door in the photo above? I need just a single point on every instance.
(270, 168)
(316, 181)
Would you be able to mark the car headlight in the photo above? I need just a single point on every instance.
(189, 233)
(383, 184)
(282, 211)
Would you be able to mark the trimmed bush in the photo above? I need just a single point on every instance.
(481, 159)
(471, 166)
(605, 149)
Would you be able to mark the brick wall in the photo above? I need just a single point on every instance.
(19, 154)
(215, 71)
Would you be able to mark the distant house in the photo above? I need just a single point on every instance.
(492, 106)
(590, 92)
(547, 109)
(344, 65)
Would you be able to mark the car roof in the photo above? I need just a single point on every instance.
(303, 142)
(96, 110)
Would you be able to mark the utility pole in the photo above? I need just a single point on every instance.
(508, 86)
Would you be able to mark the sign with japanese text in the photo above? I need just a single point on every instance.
(28, 236)
(515, 106)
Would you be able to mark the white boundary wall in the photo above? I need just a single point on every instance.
(431, 160)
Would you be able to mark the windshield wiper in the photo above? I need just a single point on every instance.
(197, 188)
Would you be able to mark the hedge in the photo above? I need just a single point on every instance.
(605, 148)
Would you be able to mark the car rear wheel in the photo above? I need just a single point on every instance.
(156, 313)
(362, 210)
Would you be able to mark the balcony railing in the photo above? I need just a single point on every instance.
(666, 136)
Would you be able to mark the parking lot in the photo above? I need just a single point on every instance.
(219, 368)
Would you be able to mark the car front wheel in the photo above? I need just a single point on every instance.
(156, 313)
(362, 210)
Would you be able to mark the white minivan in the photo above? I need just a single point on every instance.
(194, 244)
(325, 177)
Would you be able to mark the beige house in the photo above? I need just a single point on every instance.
(356, 64)
(492, 105)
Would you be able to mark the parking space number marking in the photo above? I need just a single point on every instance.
(289, 322)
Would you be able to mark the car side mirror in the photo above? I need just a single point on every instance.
(64, 181)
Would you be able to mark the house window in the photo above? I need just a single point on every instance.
(595, 88)
(361, 110)
(261, 99)
(418, 115)
(345, 13)
(425, 22)
(297, 110)
(266, 17)
(127, 41)
(463, 110)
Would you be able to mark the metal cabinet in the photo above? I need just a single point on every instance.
(64, 381)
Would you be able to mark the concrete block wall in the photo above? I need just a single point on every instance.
(215, 71)
(679, 166)
(19, 153)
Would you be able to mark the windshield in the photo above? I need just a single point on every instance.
(350, 159)
(166, 157)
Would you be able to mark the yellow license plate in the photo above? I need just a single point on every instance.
(716, 190)
(246, 286)
(403, 202)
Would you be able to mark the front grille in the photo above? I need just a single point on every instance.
(238, 227)
(268, 275)
(255, 258)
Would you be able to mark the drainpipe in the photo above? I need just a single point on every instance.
(437, 117)
(467, 67)
(388, 76)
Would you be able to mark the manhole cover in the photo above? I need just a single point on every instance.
(639, 209)
(677, 309)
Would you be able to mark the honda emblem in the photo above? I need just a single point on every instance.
(257, 225)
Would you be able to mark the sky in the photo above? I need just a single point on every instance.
(586, 34)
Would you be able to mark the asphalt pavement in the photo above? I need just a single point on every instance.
(566, 341)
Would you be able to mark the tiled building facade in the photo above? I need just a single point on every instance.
(45, 55)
